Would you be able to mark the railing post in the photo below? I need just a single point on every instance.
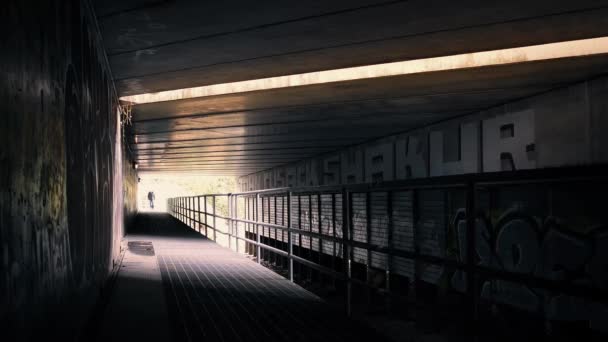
(214, 226)
(415, 239)
(247, 225)
(229, 221)
(334, 235)
(276, 221)
(471, 254)
(198, 210)
(389, 244)
(368, 239)
(320, 226)
(236, 223)
(257, 230)
(263, 251)
(310, 239)
(289, 239)
(346, 247)
(205, 209)
(300, 244)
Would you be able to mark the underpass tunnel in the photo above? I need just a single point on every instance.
(310, 171)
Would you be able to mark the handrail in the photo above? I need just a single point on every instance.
(238, 228)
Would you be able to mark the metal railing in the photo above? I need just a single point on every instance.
(371, 235)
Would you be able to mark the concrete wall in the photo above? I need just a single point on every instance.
(557, 232)
(558, 128)
(130, 181)
(61, 169)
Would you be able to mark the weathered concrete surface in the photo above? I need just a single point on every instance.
(561, 127)
(157, 46)
(215, 294)
(370, 108)
(60, 202)
(136, 310)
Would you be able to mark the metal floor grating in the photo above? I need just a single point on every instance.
(215, 294)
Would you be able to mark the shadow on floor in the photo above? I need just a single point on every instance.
(162, 225)
(212, 293)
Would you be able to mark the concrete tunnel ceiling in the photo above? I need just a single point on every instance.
(157, 46)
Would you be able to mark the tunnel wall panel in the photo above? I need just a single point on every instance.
(554, 232)
(62, 165)
(562, 127)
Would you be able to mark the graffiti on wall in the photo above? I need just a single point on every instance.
(522, 243)
(521, 237)
(90, 121)
(59, 206)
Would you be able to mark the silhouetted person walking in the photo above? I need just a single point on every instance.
(151, 199)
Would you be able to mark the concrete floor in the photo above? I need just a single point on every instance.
(175, 284)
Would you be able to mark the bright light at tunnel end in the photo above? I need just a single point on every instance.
(566, 49)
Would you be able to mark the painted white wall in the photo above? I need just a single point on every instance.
(561, 128)
(494, 145)
(469, 152)
(412, 154)
(352, 165)
(379, 160)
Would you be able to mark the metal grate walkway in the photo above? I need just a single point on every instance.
(215, 294)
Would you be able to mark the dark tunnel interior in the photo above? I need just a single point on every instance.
(361, 170)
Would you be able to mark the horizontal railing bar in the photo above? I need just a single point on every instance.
(318, 267)
(270, 248)
(470, 182)
(353, 243)
(525, 279)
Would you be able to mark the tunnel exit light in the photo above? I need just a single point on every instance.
(567, 49)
